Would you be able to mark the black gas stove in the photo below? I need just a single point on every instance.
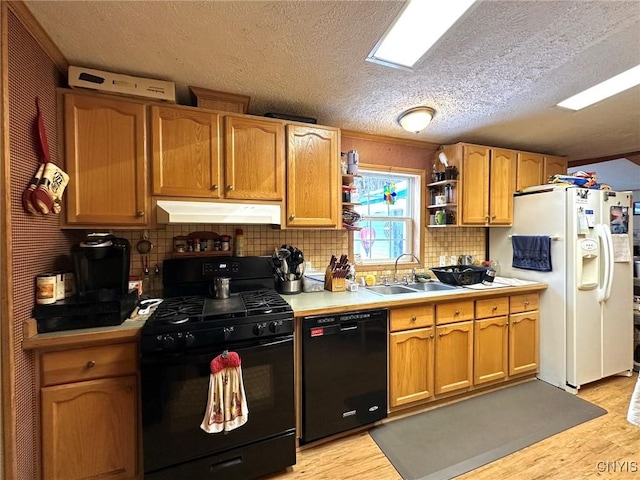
(188, 330)
(194, 318)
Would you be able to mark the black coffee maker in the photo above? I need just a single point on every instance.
(101, 267)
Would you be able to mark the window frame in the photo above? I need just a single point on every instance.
(418, 232)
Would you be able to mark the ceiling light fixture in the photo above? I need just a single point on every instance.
(416, 119)
(416, 30)
(606, 89)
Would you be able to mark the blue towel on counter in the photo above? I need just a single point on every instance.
(532, 252)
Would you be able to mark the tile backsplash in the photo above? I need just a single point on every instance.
(317, 245)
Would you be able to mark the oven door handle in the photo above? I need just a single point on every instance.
(186, 356)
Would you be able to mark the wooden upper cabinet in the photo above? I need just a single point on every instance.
(488, 183)
(502, 186)
(554, 166)
(254, 159)
(475, 184)
(530, 170)
(313, 177)
(105, 150)
(186, 152)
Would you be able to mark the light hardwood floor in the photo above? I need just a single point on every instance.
(576, 453)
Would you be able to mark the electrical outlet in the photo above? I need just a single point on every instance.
(443, 260)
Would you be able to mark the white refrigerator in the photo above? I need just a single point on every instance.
(586, 313)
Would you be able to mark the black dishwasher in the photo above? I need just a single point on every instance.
(344, 372)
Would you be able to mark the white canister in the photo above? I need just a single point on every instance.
(46, 288)
(440, 199)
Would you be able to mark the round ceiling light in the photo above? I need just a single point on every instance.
(416, 119)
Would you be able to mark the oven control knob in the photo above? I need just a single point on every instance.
(167, 341)
(189, 339)
(275, 326)
(258, 328)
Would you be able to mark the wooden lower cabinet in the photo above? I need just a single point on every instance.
(411, 366)
(523, 342)
(89, 412)
(453, 357)
(89, 429)
(490, 350)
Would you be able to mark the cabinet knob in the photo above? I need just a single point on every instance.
(526, 303)
(214, 187)
(441, 334)
(457, 312)
(431, 336)
(413, 319)
(495, 307)
(515, 321)
(91, 363)
(493, 217)
(140, 213)
(292, 216)
(229, 187)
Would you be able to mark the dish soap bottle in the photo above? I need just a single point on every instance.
(239, 243)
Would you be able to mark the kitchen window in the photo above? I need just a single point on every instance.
(390, 208)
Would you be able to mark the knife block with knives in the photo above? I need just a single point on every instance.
(336, 273)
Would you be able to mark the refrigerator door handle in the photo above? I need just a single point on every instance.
(604, 290)
(610, 259)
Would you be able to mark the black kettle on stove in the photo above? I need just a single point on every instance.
(101, 267)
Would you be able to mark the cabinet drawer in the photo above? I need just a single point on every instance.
(454, 312)
(89, 363)
(411, 317)
(492, 307)
(524, 303)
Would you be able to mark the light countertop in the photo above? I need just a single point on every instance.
(303, 304)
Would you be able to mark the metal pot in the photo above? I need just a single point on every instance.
(221, 287)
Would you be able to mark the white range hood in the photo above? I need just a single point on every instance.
(176, 211)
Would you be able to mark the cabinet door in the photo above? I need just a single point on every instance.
(475, 185)
(254, 159)
(502, 184)
(410, 366)
(186, 152)
(106, 159)
(530, 170)
(490, 350)
(313, 180)
(89, 429)
(453, 357)
(523, 342)
(554, 166)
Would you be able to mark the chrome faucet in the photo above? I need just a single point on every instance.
(413, 271)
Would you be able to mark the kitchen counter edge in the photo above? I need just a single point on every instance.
(320, 303)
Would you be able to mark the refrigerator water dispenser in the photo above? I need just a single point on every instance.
(588, 263)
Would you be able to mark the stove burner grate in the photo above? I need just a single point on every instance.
(263, 302)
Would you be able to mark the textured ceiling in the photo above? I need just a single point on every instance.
(493, 79)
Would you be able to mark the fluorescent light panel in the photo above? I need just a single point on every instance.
(416, 30)
(606, 89)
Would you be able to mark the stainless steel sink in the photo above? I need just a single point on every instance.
(390, 289)
(431, 286)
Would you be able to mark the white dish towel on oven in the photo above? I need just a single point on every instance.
(227, 403)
